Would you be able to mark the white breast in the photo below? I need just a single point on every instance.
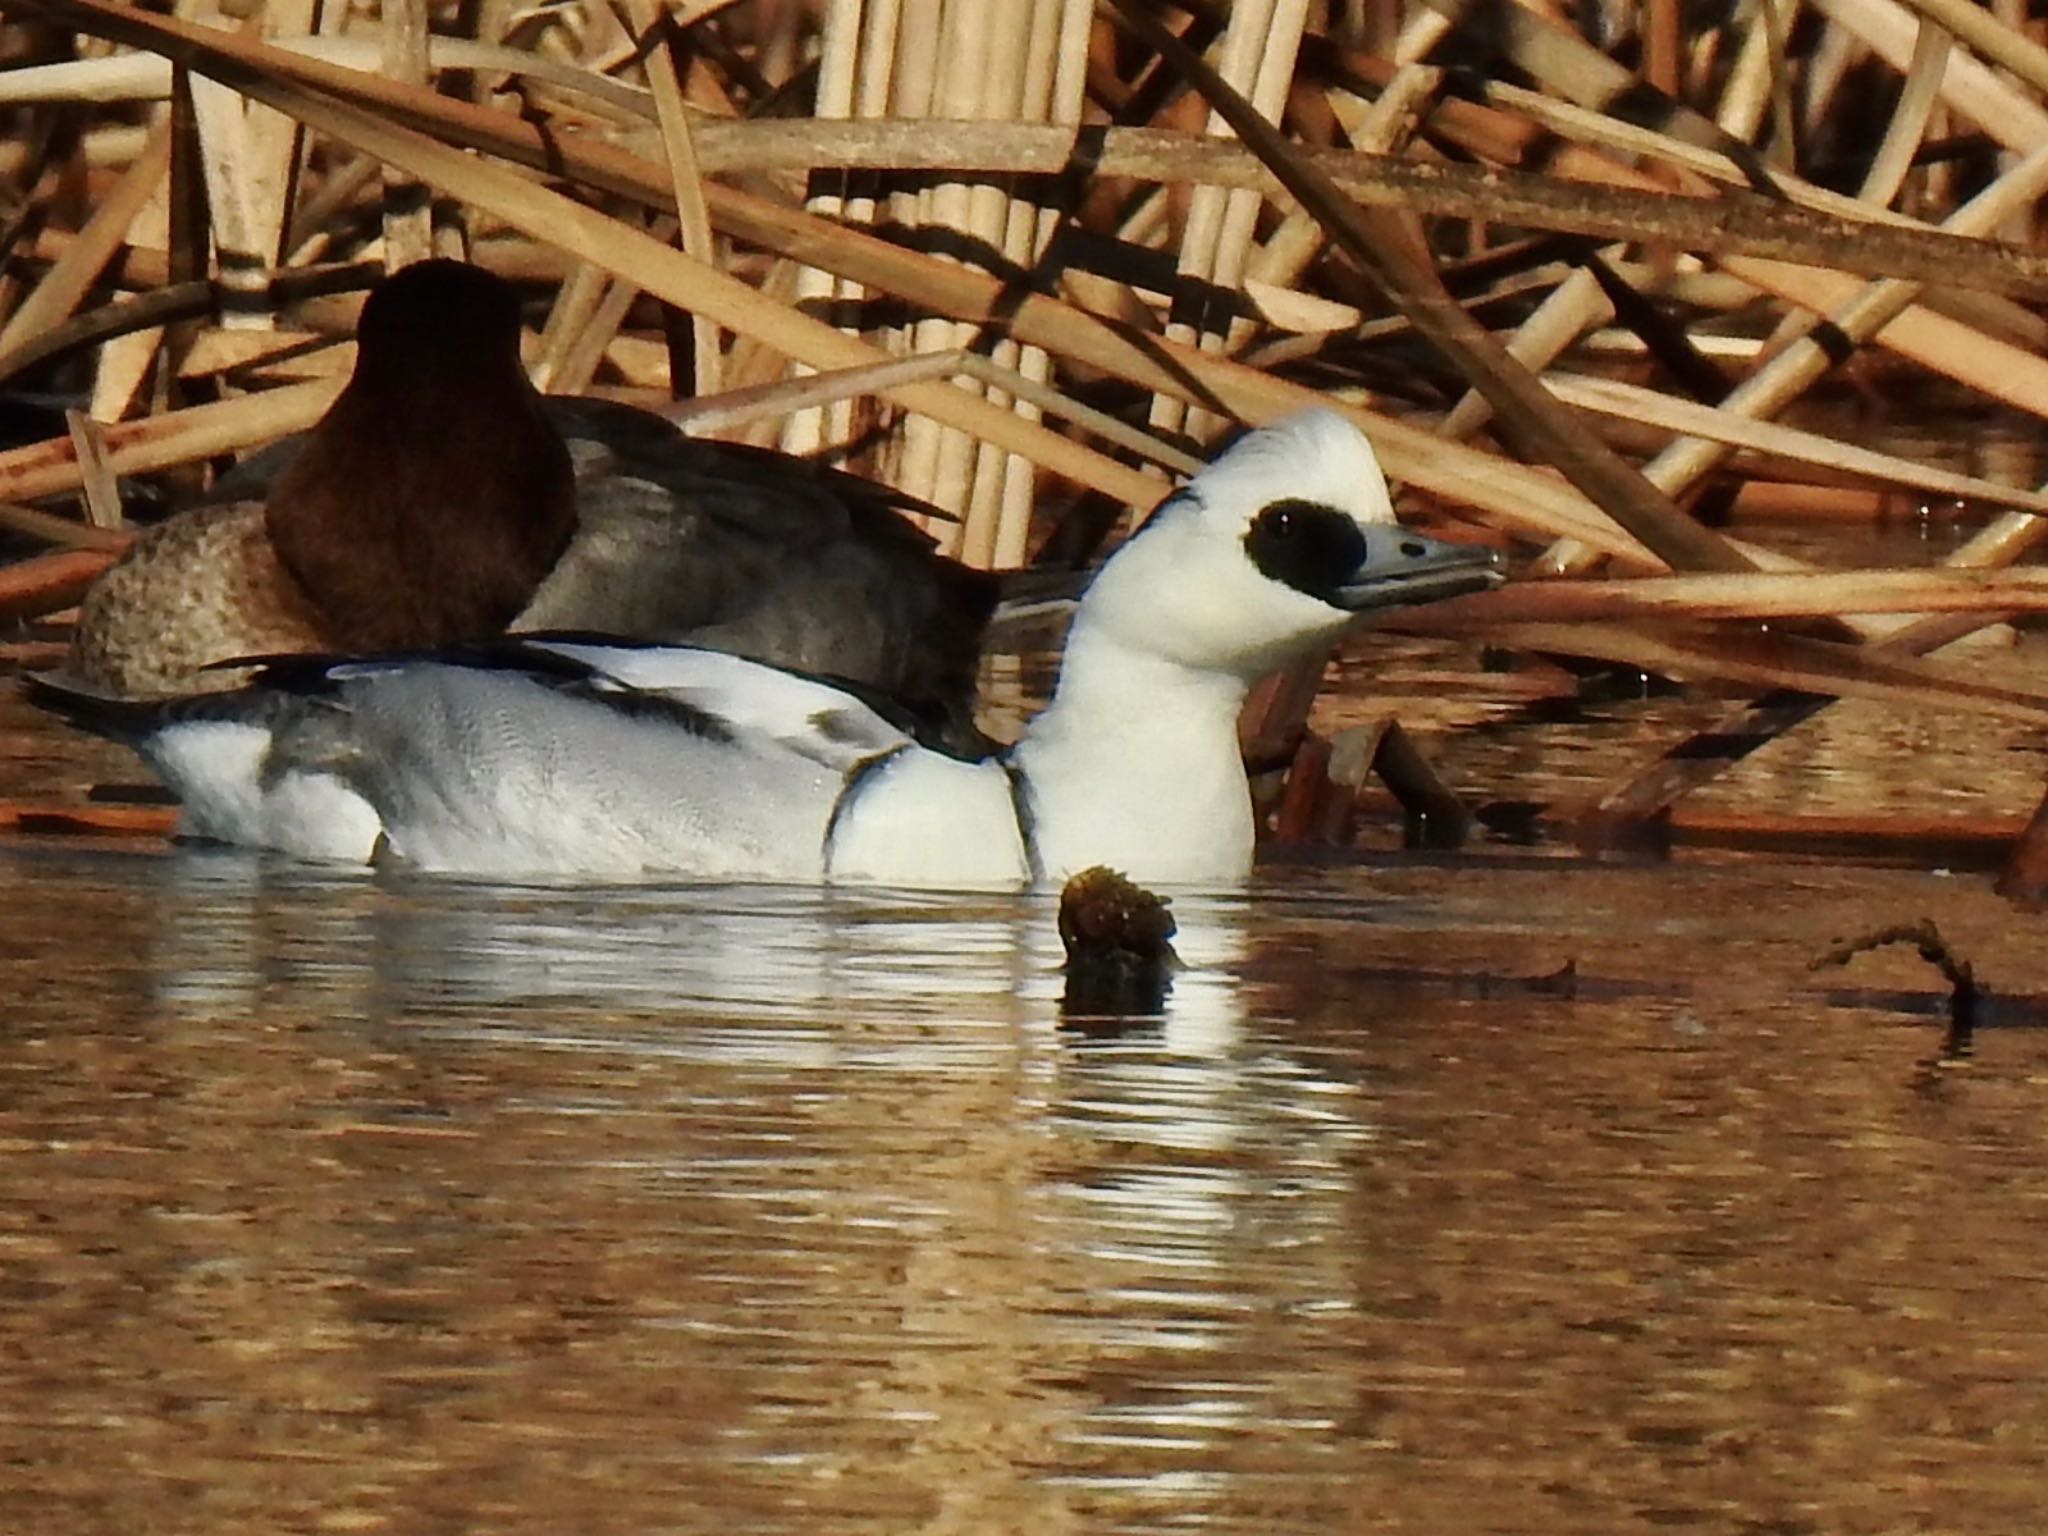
(922, 818)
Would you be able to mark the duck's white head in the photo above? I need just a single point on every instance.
(1268, 551)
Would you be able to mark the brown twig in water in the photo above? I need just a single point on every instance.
(1956, 971)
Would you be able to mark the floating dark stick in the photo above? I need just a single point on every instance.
(1963, 994)
(1120, 960)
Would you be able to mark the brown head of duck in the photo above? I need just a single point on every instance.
(423, 509)
(434, 496)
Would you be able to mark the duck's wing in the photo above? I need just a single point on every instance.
(579, 756)
(755, 552)
(759, 491)
(818, 718)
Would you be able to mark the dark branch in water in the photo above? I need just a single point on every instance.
(1963, 993)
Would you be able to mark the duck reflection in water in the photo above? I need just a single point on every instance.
(828, 1149)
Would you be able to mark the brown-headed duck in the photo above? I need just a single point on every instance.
(442, 500)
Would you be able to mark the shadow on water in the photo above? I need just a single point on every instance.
(1441, 1197)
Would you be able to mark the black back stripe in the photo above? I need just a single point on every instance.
(856, 781)
(1027, 818)
(633, 704)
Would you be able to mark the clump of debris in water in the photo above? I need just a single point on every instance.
(1118, 938)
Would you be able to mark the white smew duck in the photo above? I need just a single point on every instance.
(574, 758)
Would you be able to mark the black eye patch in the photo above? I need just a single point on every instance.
(1311, 547)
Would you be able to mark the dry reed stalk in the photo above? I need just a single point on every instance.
(717, 415)
(903, 81)
(1055, 95)
(1445, 190)
(1907, 130)
(919, 60)
(1956, 359)
(1516, 495)
(1782, 500)
(1878, 309)
(776, 399)
(50, 468)
(593, 342)
(861, 75)
(657, 32)
(1826, 67)
(852, 30)
(106, 147)
(1777, 27)
(1662, 35)
(2005, 371)
(1588, 80)
(1574, 307)
(1755, 595)
(1999, 41)
(1424, 29)
(70, 277)
(1377, 128)
(1630, 402)
(45, 583)
(1054, 84)
(1896, 152)
(307, 237)
(1746, 95)
(1380, 128)
(253, 172)
(142, 77)
(1598, 149)
(1255, 57)
(127, 359)
(273, 354)
(49, 529)
(408, 210)
(1821, 669)
(99, 490)
(1602, 198)
(1884, 307)
(999, 74)
(111, 820)
(569, 318)
(963, 81)
(1968, 87)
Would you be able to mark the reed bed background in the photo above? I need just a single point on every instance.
(1580, 272)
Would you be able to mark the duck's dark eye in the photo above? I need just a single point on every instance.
(1311, 547)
